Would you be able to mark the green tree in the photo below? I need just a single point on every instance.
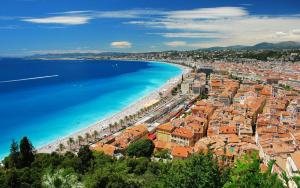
(140, 148)
(70, 142)
(247, 174)
(197, 171)
(86, 157)
(87, 137)
(164, 154)
(79, 139)
(95, 134)
(14, 155)
(60, 179)
(61, 147)
(26, 152)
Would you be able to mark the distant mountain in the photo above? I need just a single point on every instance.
(236, 47)
(259, 46)
(280, 45)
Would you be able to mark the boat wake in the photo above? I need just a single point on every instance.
(32, 78)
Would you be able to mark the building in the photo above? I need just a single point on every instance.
(183, 136)
(163, 132)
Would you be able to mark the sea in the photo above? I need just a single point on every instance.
(49, 99)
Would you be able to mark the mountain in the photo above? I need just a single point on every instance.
(280, 45)
(217, 48)
(259, 46)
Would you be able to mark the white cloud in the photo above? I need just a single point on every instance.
(176, 43)
(135, 13)
(243, 30)
(281, 34)
(223, 26)
(126, 13)
(78, 17)
(189, 35)
(121, 44)
(296, 31)
(65, 20)
(208, 13)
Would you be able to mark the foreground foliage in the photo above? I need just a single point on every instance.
(95, 170)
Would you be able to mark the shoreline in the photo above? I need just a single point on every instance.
(131, 109)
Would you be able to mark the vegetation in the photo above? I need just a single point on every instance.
(136, 169)
(163, 154)
(141, 148)
(247, 173)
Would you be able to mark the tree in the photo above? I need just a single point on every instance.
(95, 134)
(163, 154)
(12, 179)
(70, 142)
(116, 126)
(246, 173)
(87, 137)
(60, 179)
(86, 157)
(140, 148)
(61, 147)
(14, 155)
(79, 139)
(197, 171)
(160, 95)
(121, 122)
(26, 152)
(110, 127)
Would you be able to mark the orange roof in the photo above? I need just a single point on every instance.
(196, 127)
(183, 132)
(266, 91)
(105, 148)
(233, 138)
(192, 118)
(227, 129)
(167, 127)
(200, 103)
(180, 151)
(137, 130)
(130, 134)
(164, 145)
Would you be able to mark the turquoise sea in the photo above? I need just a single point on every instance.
(46, 100)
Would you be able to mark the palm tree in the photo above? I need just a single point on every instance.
(79, 139)
(87, 137)
(70, 142)
(115, 125)
(110, 126)
(160, 95)
(60, 178)
(61, 147)
(130, 117)
(95, 134)
(126, 119)
(121, 122)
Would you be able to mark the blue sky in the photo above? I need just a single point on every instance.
(59, 26)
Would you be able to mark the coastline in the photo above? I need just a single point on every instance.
(128, 110)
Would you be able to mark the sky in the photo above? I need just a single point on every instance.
(65, 26)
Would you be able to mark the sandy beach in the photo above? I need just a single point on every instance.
(129, 110)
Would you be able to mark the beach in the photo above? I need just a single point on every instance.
(131, 109)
